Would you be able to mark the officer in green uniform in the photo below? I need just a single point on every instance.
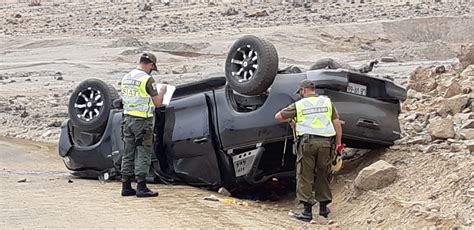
(140, 98)
(317, 123)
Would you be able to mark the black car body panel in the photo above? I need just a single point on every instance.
(97, 157)
(206, 138)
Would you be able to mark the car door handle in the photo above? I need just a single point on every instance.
(368, 123)
(200, 140)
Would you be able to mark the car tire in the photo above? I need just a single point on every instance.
(251, 65)
(90, 104)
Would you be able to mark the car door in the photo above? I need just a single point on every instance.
(189, 148)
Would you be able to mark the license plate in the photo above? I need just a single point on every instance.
(357, 89)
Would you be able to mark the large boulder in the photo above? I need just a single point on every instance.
(378, 175)
(453, 90)
(467, 73)
(454, 104)
(423, 80)
(467, 134)
(466, 57)
(441, 129)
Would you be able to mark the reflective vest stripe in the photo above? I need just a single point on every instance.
(316, 121)
(313, 116)
(134, 100)
(136, 108)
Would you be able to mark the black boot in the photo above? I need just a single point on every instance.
(127, 189)
(143, 191)
(307, 214)
(323, 209)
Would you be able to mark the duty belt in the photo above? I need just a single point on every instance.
(311, 136)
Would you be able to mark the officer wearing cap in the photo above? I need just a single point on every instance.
(317, 123)
(140, 98)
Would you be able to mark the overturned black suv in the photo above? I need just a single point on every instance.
(221, 131)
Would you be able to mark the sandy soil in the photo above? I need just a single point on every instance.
(50, 198)
(46, 51)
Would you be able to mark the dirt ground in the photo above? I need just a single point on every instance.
(50, 198)
(46, 51)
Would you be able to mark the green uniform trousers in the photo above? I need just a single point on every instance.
(138, 141)
(312, 167)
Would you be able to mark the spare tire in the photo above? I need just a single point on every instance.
(251, 65)
(90, 104)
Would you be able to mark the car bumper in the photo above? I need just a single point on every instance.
(93, 158)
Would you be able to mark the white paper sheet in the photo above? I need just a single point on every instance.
(169, 92)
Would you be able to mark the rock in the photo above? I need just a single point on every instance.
(466, 90)
(411, 93)
(24, 114)
(467, 73)
(461, 118)
(55, 124)
(433, 207)
(388, 59)
(467, 134)
(367, 47)
(470, 192)
(429, 149)
(455, 148)
(22, 180)
(441, 129)
(378, 175)
(410, 118)
(17, 16)
(455, 104)
(469, 124)
(416, 141)
(223, 191)
(59, 78)
(28, 79)
(440, 69)
(470, 145)
(422, 80)
(466, 57)
(47, 133)
(146, 7)
(179, 70)
(58, 73)
(70, 181)
(262, 13)
(453, 90)
(418, 128)
(230, 11)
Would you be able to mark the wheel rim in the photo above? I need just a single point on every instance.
(244, 63)
(89, 104)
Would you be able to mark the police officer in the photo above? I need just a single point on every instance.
(317, 123)
(140, 98)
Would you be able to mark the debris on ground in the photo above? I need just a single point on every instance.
(223, 191)
(226, 200)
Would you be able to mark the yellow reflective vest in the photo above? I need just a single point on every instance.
(136, 101)
(314, 116)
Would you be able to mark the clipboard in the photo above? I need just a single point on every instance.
(169, 92)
